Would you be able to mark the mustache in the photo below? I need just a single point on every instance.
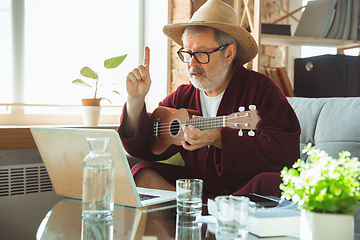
(197, 70)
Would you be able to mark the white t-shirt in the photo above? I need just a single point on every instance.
(209, 105)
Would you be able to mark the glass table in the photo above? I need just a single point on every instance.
(64, 221)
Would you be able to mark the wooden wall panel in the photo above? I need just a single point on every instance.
(16, 138)
(12, 138)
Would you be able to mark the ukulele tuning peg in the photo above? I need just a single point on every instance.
(252, 107)
(241, 109)
(251, 133)
(240, 133)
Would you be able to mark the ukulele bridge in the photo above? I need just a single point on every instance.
(156, 128)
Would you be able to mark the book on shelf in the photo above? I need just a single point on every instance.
(328, 23)
(273, 73)
(281, 78)
(336, 19)
(272, 28)
(347, 19)
(288, 90)
(315, 18)
(354, 20)
(342, 19)
(335, 28)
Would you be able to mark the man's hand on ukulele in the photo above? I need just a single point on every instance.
(138, 81)
(195, 138)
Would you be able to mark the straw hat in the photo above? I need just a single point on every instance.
(222, 16)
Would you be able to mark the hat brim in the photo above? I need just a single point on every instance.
(246, 44)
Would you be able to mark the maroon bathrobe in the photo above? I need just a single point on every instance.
(243, 164)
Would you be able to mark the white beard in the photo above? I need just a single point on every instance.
(212, 80)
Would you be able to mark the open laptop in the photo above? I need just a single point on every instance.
(63, 151)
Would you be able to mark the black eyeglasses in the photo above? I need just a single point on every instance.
(201, 57)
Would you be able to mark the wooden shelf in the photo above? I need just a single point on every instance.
(19, 137)
(268, 39)
(281, 40)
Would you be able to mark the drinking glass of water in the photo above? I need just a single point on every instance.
(189, 196)
(232, 217)
(188, 227)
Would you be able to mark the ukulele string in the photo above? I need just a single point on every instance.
(202, 120)
(164, 128)
(177, 129)
(166, 125)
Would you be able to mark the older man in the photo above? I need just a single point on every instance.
(214, 50)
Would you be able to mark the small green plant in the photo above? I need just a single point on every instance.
(89, 73)
(323, 184)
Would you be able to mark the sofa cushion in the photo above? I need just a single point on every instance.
(330, 124)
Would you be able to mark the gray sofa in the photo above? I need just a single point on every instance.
(330, 124)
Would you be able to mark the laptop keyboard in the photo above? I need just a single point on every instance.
(147, 197)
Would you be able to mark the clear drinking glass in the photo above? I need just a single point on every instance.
(187, 227)
(232, 217)
(98, 180)
(189, 196)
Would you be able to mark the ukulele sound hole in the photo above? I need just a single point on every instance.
(174, 128)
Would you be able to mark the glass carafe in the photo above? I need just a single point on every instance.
(98, 180)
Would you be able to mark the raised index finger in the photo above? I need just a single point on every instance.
(147, 58)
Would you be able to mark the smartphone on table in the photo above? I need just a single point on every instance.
(257, 200)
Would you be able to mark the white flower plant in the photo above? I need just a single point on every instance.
(323, 184)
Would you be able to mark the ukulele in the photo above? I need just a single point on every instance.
(167, 133)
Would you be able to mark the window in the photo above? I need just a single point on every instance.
(69, 35)
(307, 51)
(41, 58)
(5, 54)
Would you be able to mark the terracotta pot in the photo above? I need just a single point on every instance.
(91, 102)
(91, 111)
(329, 226)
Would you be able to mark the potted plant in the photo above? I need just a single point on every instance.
(326, 190)
(91, 106)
